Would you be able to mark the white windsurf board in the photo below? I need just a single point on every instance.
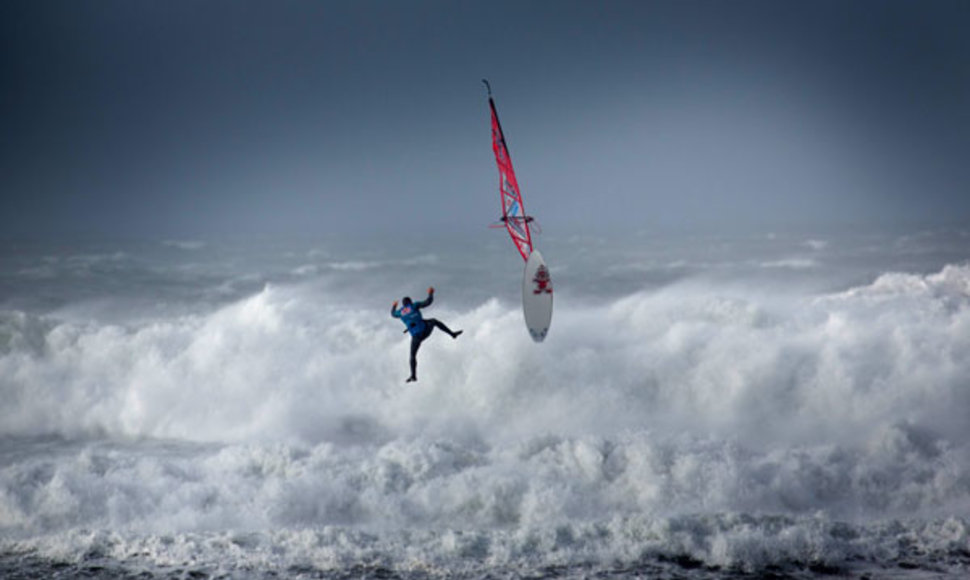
(537, 296)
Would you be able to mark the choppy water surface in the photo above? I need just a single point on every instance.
(704, 407)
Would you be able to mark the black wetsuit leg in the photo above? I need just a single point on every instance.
(441, 325)
(429, 325)
(416, 340)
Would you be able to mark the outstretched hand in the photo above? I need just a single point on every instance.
(394, 305)
(430, 289)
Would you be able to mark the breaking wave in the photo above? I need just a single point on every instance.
(727, 426)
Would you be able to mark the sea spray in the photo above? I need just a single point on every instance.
(745, 415)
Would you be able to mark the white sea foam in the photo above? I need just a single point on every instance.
(738, 425)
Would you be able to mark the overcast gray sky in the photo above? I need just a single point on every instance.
(190, 118)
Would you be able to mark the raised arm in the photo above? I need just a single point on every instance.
(427, 301)
(394, 311)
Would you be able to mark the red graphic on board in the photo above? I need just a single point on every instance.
(543, 281)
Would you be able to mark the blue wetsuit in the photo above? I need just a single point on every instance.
(410, 315)
(419, 327)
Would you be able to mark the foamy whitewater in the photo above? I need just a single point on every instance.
(703, 407)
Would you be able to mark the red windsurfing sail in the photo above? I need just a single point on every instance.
(513, 214)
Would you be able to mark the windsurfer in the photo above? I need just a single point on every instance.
(419, 327)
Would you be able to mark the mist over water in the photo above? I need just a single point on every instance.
(702, 405)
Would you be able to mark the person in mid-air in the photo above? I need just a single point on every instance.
(419, 327)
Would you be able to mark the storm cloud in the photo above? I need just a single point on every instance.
(216, 117)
